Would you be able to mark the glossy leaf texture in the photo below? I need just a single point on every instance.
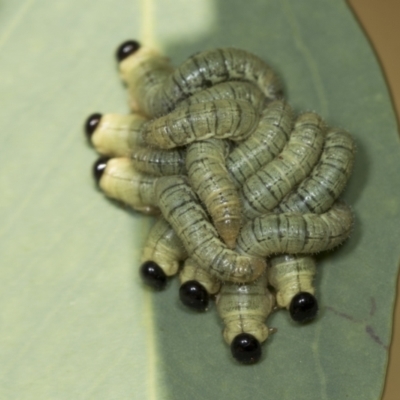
(76, 323)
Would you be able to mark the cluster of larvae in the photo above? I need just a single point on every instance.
(244, 191)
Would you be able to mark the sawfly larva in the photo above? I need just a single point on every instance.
(145, 71)
(266, 142)
(244, 309)
(115, 135)
(220, 119)
(159, 162)
(266, 188)
(161, 255)
(290, 233)
(209, 178)
(318, 192)
(292, 277)
(196, 285)
(180, 207)
(118, 180)
(156, 91)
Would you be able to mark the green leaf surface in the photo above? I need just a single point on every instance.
(76, 323)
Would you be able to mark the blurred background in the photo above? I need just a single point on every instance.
(379, 19)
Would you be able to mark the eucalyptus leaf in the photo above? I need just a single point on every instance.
(76, 323)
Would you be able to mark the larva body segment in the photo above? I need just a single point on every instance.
(264, 144)
(191, 271)
(180, 207)
(266, 188)
(296, 233)
(318, 192)
(208, 68)
(244, 309)
(208, 176)
(117, 135)
(159, 162)
(220, 119)
(164, 248)
(244, 91)
(120, 181)
(290, 275)
(145, 73)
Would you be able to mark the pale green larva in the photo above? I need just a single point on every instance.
(156, 91)
(197, 284)
(159, 162)
(263, 191)
(119, 180)
(266, 142)
(163, 251)
(209, 178)
(290, 233)
(180, 207)
(233, 119)
(244, 309)
(327, 180)
(244, 91)
(292, 277)
(115, 135)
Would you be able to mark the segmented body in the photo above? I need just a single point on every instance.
(181, 209)
(244, 308)
(265, 189)
(266, 142)
(296, 233)
(208, 176)
(233, 119)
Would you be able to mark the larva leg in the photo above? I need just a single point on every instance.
(156, 91)
(244, 309)
(244, 91)
(318, 192)
(296, 233)
(145, 71)
(219, 119)
(118, 180)
(181, 209)
(266, 188)
(209, 178)
(266, 142)
(159, 162)
(292, 277)
(196, 286)
(161, 255)
(115, 135)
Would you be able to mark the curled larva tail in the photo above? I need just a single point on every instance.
(164, 248)
(159, 162)
(116, 135)
(318, 192)
(244, 309)
(205, 163)
(120, 181)
(219, 119)
(181, 209)
(296, 233)
(266, 142)
(266, 188)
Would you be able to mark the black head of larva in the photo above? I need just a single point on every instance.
(194, 295)
(152, 275)
(303, 307)
(246, 349)
(92, 122)
(125, 49)
(98, 168)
